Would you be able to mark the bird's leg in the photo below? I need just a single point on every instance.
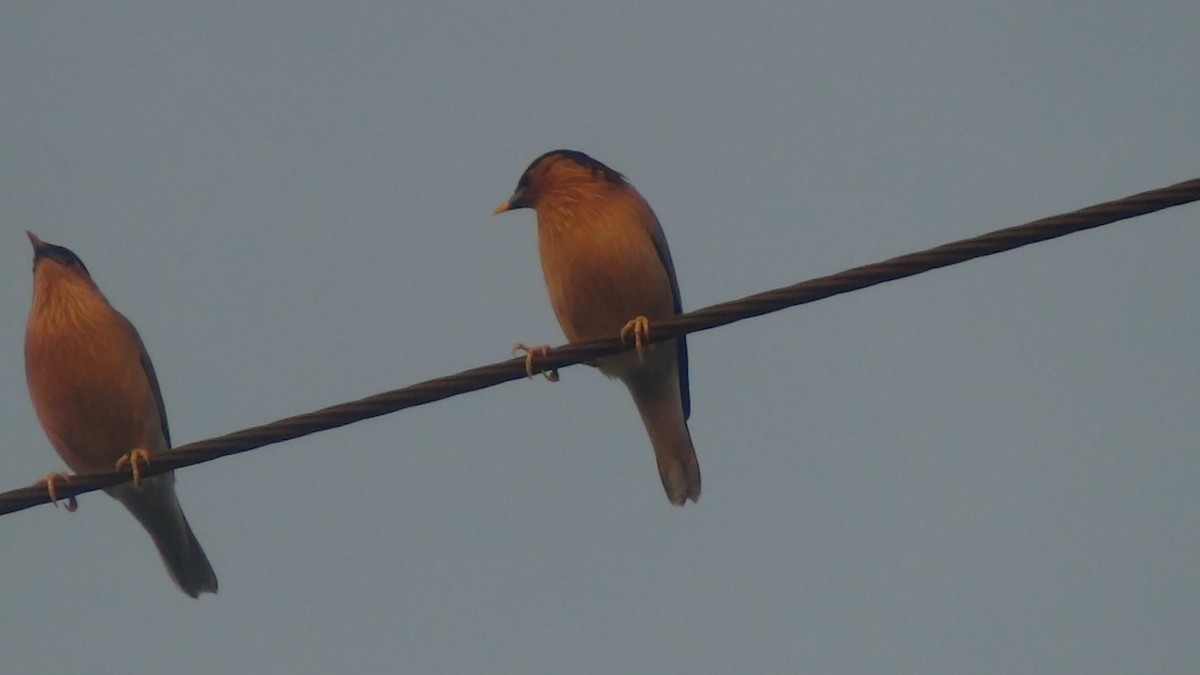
(135, 458)
(640, 327)
(544, 350)
(50, 480)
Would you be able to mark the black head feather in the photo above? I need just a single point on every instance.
(595, 166)
(59, 254)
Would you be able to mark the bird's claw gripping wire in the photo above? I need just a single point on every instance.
(550, 374)
(640, 327)
(51, 480)
(135, 458)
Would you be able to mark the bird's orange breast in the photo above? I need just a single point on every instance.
(88, 387)
(601, 266)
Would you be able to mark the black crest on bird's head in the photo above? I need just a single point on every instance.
(557, 170)
(595, 166)
(59, 254)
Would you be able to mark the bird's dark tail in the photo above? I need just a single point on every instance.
(157, 508)
(662, 412)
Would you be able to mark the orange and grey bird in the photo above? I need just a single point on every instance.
(608, 271)
(95, 392)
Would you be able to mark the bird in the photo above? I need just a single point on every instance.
(97, 397)
(608, 272)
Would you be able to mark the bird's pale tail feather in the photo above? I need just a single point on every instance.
(157, 509)
(662, 412)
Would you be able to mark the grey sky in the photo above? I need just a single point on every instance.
(986, 469)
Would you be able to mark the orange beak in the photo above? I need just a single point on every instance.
(503, 208)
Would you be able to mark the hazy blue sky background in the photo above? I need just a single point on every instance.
(988, 469)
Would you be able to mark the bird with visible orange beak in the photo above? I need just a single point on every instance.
(609, 272)
(95, 392)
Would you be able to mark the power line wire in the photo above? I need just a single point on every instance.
(560, 357)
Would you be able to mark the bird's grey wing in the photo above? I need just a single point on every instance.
(664, 256)
(148, 368)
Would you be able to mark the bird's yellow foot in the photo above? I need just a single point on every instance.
(640, 327)
(51, 480)
(135, 458)
(544, 350)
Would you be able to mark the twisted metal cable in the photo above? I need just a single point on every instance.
(560, 357)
